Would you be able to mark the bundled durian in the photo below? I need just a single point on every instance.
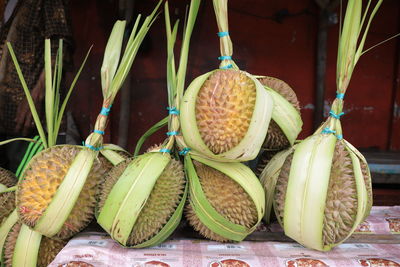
(321, 189)
(225, 113)
(143, 198)
(58, 190)
(224, 117)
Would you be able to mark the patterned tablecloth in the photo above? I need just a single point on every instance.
(382, 220)
(96, 249)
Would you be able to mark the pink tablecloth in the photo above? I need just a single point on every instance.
(382, 220)
(99, 250)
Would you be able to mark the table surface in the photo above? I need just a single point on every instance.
(383, 224)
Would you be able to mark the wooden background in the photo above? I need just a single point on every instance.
(271, 37)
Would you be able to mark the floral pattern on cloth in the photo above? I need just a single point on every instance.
(100, 250)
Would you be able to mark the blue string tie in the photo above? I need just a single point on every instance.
(172, 133)
(98, 131)
(225, 58)
(336, 116)
(184, 151)
(328, 131)
(105, 111)
(339, 95)
(229, 66)
(165, 150)
(222, 34)
(93, 147)
(173, 111)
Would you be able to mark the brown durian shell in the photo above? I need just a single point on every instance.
(226, 196)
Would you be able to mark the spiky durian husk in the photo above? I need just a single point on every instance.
(341, 202)
(224, 108)
(263, 160)
(226, 196)
(280, 189)
(41, 180)
(7, 200)
(48, 250)
(161, 204)
(283, 89)
(276, 139)
(367, 180)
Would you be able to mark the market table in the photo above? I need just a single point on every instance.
(376, 243)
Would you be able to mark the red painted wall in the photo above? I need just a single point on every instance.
(264, 45)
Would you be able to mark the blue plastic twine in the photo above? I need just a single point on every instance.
(105, 111)
(173, 111)
(229, 66)
(328, 131)
(336, 116)
(339, 96)
(172, 133)
(165, 150)
(94, 148)
(184, 151)
(225, 58)
(223, 34)
(98, 131)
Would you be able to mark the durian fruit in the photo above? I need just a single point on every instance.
(225, 113)
(7, 199)
(43, 177)
(148, 190)
(226, 200)
(321, 188)
(143, 198)
(286, 122)
(27, 248)
(70, 175)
